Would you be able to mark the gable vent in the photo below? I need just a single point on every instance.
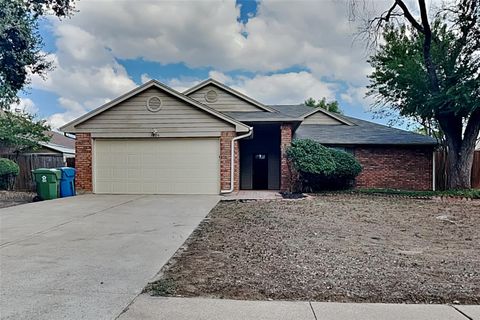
(211, 96)
(154, 104)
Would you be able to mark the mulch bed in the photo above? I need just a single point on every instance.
(332, 248)
(14, 198)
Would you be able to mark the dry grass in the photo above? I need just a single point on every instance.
(332, 248)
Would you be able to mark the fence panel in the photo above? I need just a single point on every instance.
(441, 173)
(30, 161)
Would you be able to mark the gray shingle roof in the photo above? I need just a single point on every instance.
(362, 132)
(256, 116)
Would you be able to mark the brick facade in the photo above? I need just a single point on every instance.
(408, 168)
(83, 162)
(285, 141)
(225, 164)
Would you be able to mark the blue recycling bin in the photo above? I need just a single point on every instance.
(67, 182)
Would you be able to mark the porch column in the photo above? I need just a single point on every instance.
(285, 142)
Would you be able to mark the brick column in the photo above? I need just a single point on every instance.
(83, 162)
(285, 142)
(225, 164)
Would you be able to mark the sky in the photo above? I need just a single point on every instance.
(277, 52)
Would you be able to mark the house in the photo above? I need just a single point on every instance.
(213, 139)
(58, 144)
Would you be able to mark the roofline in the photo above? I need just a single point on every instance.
(272, 120)
(328, 113)
(54, 147)
(239, 126)
(228, 89)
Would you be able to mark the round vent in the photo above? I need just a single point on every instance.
(211, 96)
(154, 104)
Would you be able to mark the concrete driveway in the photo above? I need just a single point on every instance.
(87, 257)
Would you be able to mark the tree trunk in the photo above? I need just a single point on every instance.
(459, 170)
(460, 148)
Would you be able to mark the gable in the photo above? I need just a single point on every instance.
(224, 102)
(321, 118)
(132, 118)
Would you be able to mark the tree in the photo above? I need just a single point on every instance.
(20, 132)
(331, 106)
(427, 68)
(20, 43)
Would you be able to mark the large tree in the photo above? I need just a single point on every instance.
(20, 43)
(331, 106)
(427, 67)
(21, 132)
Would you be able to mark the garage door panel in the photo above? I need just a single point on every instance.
(167, 166)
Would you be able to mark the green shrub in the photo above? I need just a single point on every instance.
(309, 156)
(320, 168)
(8, 171)
(347, 167)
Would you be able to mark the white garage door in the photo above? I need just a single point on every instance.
(163, 166)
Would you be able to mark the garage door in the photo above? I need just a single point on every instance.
(164, 166)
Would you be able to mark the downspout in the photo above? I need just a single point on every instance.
(232, 160)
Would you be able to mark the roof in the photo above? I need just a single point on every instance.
(57, 148)
(228, 89)
(59, 139)
(259, 116)
(362, 132)
(295, 110)
(70, 127)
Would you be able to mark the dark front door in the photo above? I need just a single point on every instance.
(260, 171)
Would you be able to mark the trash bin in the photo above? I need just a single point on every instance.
(67, 182)
(47, 182)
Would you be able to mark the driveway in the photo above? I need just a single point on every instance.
(87, 257)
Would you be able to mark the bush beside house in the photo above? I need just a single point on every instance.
(8, 171)
(316, 167)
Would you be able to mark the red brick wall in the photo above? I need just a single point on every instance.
(225, 155)
(408, 168)
(83, 162)
(285, 141)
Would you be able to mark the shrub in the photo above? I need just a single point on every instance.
(8, 171)
(347, 167)
(309, 156)
(319, 168)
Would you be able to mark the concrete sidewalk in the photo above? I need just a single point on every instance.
(146, 307)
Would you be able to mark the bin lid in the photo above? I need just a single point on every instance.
(67, 171)
(56, 172)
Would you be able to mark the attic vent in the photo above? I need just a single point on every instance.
(211, 96)
(154, 104)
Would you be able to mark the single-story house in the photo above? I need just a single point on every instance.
(58, 144)
(213, 139)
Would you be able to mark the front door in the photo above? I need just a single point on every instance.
(260, 171)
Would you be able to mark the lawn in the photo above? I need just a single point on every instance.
(355, 248)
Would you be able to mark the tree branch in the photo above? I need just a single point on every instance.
(409, 16)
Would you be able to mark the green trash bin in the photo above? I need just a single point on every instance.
(47, 182)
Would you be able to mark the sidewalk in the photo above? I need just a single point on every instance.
(159, 308)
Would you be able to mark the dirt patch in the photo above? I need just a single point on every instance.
(14, 198)
(332, 248)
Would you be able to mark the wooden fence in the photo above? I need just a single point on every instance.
(441, 174)
(30, 161)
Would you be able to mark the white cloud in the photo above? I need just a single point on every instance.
(313, 34)
(25, 105)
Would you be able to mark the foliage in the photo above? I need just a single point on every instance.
(8, 171)
(428, 71)
(309, 156)
(317, 167)
(466, 193)
(20, 132)
(20, 43)
(331, 106)
(347, 167)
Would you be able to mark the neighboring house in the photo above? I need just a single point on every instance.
(154, 139)
(58, 144)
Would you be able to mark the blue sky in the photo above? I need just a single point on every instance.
(276, 52)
